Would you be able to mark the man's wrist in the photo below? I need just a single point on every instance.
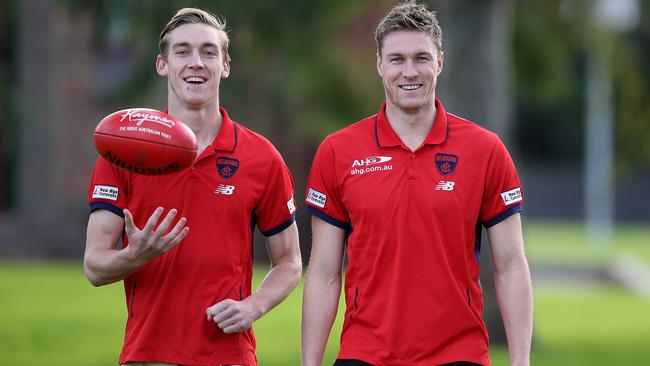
(256, 303)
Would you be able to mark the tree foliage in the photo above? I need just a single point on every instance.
(8, 120)
(290, 58)
(552, 41)
(308, 67)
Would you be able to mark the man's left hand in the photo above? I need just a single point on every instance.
(232, 316)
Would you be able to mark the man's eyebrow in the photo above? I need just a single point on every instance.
(187, 44)
(209, 44)
(401, 54)
(180, 44)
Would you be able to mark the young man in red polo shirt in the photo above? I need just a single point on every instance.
(188, 292)
(408, 189)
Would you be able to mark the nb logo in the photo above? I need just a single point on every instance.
(445, 186)
(225, 189)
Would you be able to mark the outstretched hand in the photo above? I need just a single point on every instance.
(151, 242)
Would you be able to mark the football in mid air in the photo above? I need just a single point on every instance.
(145, 141)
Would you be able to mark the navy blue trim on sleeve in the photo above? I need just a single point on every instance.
(106, 206)
(348, 232)
(280, 227)
(325, 217)
(502, 216)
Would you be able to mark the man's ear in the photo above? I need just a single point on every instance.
(161, 66)
(226, 69)
(379, 65)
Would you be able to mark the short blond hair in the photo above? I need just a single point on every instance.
(194, 16)
(409, 16)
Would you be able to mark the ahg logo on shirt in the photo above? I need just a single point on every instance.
(371, 160)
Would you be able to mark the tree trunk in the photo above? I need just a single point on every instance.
(476, 84)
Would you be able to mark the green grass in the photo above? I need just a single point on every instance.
(578, 324)
(567, 242)
(50, 314)
(590, 326)
(278, 333)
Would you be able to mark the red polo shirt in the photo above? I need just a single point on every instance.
(414, 220)
(236, 183)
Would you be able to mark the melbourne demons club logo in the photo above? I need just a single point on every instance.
(446, 163)
(227, 167)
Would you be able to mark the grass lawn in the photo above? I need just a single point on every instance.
(567, 242)
(50, 314)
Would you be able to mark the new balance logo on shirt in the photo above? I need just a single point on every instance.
(445, 186)
(225, 189)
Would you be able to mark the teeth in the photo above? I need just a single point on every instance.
(195, 79)
(410, 87)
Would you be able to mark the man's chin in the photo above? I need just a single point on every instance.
(195, 103)
(411, 107)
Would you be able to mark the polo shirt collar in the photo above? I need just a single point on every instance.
(386, 136)
(226, 139)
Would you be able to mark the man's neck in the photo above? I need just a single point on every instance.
(412, 127)
(205, 122)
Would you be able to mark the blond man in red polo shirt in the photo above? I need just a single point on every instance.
(187, 256)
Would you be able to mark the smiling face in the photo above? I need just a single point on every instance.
(194, 65)
(409, 65)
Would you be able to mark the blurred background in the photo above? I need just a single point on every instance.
(565, 84)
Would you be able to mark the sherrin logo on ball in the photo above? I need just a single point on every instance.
(145, 141)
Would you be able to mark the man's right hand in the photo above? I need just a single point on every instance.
(151, 242)
(104, 263)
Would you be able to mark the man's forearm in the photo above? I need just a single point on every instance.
(320, 304)
(106, 266)
(514, 294)
(277, 285)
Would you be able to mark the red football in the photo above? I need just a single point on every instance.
(145, 141)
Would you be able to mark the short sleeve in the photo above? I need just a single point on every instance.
(108, 188)
(323, 194)
(502, 196)
(276, 208)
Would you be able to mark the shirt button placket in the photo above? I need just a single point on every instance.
(410, 169)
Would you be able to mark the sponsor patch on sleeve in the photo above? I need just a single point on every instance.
(291, 205)
(316, 198)
(511, 196)
(106, 192)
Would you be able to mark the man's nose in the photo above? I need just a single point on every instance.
(409, 69)
(195, 60)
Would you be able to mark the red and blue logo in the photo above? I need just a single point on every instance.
(446, 163)
(227, 167)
